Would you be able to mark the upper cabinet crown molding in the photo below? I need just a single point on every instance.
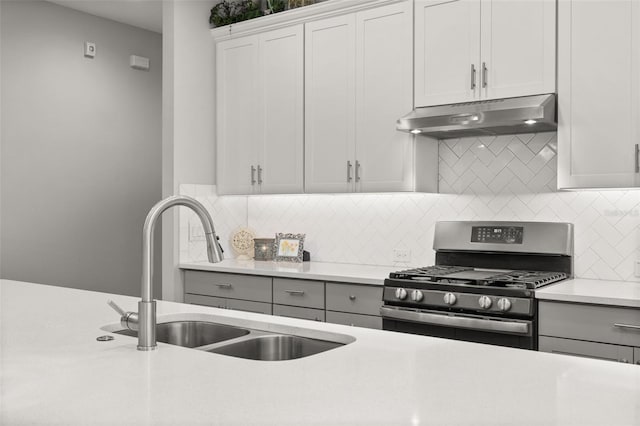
(325, 9)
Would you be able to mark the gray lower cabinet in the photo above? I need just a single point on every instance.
(229, 291)
(356, 320)
(353, 304)
(233, 286)
(220, 302)
(339, 303)
(302, 299)
(298, 312)
(303, 293)
(593, 331)
(558, 345)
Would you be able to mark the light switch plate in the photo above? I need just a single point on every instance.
(196, 232)
(89, 49)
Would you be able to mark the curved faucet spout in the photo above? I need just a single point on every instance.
(147, 306)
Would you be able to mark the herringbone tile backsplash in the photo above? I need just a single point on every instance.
(488, 178)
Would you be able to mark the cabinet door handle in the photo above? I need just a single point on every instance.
(259, 175)
(253, 175)
(349, 167)
(357, 171)
(485, 71)
(627, 326)
(225, 286)
(637, 158)
(473, 77)
(352, 297)
(295, 292)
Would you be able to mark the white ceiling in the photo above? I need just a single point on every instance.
(145, 14)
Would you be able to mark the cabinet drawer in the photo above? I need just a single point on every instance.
(590, 322)
(357, 320)
(249, 306)
(246, 287)
(305, 293)
(296, 312)
(603, 351)
(359, 299)
(196, 299)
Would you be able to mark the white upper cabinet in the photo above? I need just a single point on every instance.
(281, 76)
(358, 83)
(330, 104)
(312, 107)
(237, 110)
(483, 49)
(598, 93)
(260, 124)
(518, 53)
(447, 51)
(384, 156)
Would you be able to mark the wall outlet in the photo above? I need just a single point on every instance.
(196, 232)
(401, 255)
(636, 269)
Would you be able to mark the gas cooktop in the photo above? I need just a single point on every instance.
(481, 277)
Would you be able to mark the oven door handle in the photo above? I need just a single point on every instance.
(456, 321)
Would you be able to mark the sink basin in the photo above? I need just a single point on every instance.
(192, 334)
(275, 347)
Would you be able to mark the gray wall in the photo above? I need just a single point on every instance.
(81, 147)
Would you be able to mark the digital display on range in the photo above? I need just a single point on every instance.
(497, 234)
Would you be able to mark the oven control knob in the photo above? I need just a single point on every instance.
(417, 296)
(485, 302)
(504, 304)
(401, 293)
(450, 299)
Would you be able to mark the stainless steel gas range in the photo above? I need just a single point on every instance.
(482, 286)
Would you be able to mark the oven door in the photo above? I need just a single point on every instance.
(513, 333)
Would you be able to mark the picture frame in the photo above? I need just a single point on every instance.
(288, 247)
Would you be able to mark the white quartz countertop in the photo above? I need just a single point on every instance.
(53, 371)
(322, 271)
(617, 293)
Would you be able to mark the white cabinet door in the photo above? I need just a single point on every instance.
(281, 79)
(237, 112)
(384, 156)
(330, 104)
(518, 48)
(598, 76)
(447, 51)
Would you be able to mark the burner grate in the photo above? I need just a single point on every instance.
(428, 273)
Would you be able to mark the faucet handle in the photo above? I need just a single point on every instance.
(116, 308)
(127, 319)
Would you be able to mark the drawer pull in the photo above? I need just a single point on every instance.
(226, 286)
(629, 326)
(352, 297)
(295, 292)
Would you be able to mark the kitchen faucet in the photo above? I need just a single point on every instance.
(145, 320)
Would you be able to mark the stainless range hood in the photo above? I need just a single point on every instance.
(528, 114)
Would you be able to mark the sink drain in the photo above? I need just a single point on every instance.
(104, 338)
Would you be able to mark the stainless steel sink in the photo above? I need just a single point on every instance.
(241, 338)
(192, 334)
(275, 347)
